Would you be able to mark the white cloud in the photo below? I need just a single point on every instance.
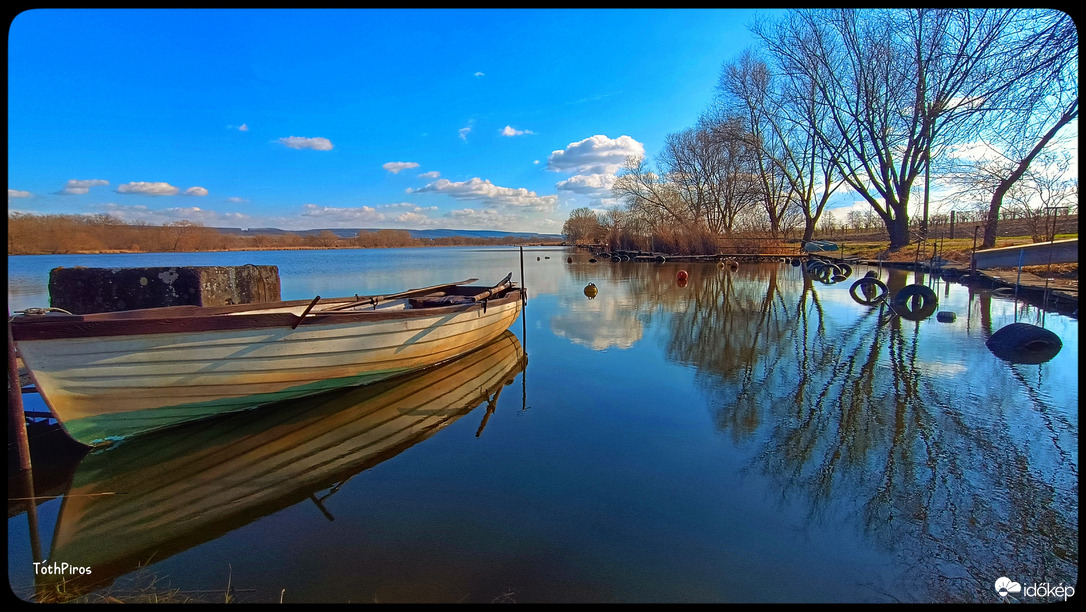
(464, 131)
(203, 216)
(195, 191)
(353, 214)
(415, 219)
(433, 174)
(237, 200)
(405, 213)
(298, 142)
(411, 206)
(79, 187)
(144, 188)
(595, 155)
(15, 193)
(244, 128)
(510, 131)
(488, 218)
(395, 167)
(485, 191)
(588, 184)
(479, 74)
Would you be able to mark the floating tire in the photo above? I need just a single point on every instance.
(1024, 343)
(827, 273)
(846, 270)
(915, 302)
(868, 291)
(796, 262)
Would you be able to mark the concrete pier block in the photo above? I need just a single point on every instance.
(88, 290)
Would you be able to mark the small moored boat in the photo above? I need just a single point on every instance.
(108, 376)
(161, 494)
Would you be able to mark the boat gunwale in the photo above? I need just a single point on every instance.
(182, 319)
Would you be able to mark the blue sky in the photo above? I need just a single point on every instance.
(300, 119)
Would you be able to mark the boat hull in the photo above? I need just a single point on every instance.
(167, 492)
(108, 379)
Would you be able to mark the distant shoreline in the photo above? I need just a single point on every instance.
(284, 248)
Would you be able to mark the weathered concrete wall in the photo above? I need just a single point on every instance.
(1039, 254)
(86, 290)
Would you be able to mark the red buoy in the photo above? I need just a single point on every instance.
(683, 275)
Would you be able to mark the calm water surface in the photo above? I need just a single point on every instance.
(751, 436)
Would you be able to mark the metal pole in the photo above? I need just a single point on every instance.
(1021, 254)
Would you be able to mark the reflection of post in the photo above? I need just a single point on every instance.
(491, 405)
(973, 259)
(985, 303)
(32, 514)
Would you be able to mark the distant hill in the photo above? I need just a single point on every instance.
(425, 233)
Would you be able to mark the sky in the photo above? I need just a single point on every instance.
(358, 118)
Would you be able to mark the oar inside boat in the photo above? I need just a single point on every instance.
(376, 299)
(463, 297)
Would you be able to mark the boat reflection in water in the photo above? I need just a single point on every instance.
(156, 496)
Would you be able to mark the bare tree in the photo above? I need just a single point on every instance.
(1035, 109)
(782, 120)
(645, 193)
(738, 187)
(899, 85)
(582, 226)
(695, 168)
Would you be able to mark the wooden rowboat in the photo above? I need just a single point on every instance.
(109, 376)
(158, 495)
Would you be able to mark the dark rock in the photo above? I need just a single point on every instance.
(89, 290)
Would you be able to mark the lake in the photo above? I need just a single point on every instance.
(750, 435)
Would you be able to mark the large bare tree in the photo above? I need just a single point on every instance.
(898, 85)
(783, 120)
(1030, 116)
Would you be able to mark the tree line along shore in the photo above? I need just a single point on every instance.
(70, 234)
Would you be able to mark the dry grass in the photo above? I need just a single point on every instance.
(958, 251)
(140, 588)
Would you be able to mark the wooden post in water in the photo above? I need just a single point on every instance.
(15, 404)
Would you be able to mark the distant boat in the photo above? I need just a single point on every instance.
(109, 376)
(158, 495)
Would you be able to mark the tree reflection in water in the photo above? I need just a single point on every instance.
(967, 471)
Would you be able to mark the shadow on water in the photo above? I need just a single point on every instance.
(965, 470)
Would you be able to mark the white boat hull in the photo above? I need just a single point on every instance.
(105, 388)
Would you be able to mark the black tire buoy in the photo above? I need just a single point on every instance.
(915, 302)
(1024, 343)
(868, 291)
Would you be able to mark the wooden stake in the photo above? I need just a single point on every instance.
(15, 404)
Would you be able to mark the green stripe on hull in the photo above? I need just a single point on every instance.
(111, 428)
